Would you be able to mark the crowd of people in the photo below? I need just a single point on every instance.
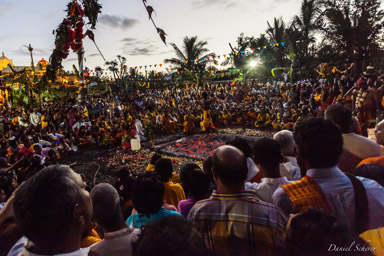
(315, 188)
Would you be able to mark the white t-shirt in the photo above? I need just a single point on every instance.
(360, 146)
(19, 249)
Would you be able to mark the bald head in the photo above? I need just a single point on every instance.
(229, 164)
(106, 206)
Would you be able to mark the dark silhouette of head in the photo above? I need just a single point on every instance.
(171, 236)
(319, 142)
(341, 116)
(147, 193)
(53, 207)
(163, 167)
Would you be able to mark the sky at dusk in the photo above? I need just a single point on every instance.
(124, 27)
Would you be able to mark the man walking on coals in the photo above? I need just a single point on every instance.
(207, 125)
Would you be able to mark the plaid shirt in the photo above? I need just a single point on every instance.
(239, 224)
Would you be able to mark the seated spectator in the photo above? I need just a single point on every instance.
(174, 193)
(318, 233)
(355, 147)
(371, 171)
(171, 236)
(147, 196)
(289, 168)
(356, 202)
(107, 213)
(53, 210)
(226, 218)
(198, 183)
(267, 155)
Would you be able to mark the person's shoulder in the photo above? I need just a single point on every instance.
(175, 185)
(167, 212)
(371, 184)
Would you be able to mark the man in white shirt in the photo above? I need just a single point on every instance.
(355, 147)
(118, 237)
(289, 168)
(267, 156)
(35, 118)
(320, 144)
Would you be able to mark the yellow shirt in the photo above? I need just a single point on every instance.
(375, 239)
(174, 193)
(150, 168)
(92, 238)
(43, 123)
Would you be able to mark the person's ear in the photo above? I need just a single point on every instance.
(214, 174)
(78, 214)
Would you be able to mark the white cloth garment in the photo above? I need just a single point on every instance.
(267, 187)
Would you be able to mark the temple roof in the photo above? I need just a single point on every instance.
(3, 57)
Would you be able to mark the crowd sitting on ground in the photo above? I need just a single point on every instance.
(284, 195)
(314, 190)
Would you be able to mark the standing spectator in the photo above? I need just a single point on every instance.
(174, 193)
(289, 168)
(318, 233)
(267, 155)
(171, 236)
(198, 183)
(52, 209)
(107, 213)
(234, 221)
(355, 147)
(147, 196)
(320, 144)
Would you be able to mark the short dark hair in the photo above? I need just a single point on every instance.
(163, 167)
(170, 236)
(154, 158)
(147, 193)
(341, 116)
(313, 231)
(43, 205)
(371, 171)
(267, 153)
(207, 167)
(106, 205)
(241, 144)
(319, 141)
(199, 183)
(186, 168)
(230, 171)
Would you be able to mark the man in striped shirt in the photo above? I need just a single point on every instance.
(235, 221)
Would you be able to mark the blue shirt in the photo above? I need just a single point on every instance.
(137, 220)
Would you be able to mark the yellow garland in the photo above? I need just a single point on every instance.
(334, 70)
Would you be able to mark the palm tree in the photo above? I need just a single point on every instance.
(353, 27)
(276, 36)
(193, 56)
(307, 23)
(118, 67)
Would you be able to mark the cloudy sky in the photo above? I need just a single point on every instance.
(124, 27)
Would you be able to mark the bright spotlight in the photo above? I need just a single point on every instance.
(253, 63)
